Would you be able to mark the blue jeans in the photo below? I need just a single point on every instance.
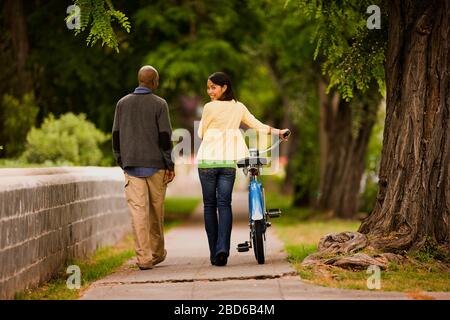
(217, 187)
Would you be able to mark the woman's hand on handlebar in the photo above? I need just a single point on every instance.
(284, 134)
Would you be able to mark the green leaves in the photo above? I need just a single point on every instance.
(99, 15)
(192, 39)
(358, 65)
(353, 55)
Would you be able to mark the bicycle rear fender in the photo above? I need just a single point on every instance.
(255, 200)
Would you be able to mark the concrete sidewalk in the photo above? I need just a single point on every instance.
(187, 274)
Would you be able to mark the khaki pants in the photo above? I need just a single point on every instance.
(145, 197)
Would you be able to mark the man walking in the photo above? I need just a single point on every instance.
(142, 148)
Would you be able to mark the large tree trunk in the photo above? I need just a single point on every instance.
(343, 149)
(413, 201)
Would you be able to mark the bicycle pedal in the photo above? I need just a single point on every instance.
(273, 213)
(268, 224)
(243, 247)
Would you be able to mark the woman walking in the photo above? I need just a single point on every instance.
(222, 145)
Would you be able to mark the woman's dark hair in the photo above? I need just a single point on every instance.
(221, 79)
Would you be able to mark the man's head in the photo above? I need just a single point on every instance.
(148, 77)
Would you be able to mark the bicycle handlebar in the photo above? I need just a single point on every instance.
(285, 135)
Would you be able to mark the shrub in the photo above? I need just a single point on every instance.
(18, 116)
(71, 139)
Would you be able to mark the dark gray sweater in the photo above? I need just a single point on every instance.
(141, 134)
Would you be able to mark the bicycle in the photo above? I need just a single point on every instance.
(258, 215)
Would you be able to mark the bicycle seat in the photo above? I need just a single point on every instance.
(251, 161)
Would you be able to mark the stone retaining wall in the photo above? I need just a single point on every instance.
(50, 215)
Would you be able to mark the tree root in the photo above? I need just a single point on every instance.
(344, 242)
(341, 250)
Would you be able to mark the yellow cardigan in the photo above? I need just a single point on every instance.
(219, 129)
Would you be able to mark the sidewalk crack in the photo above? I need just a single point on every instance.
(260, 277)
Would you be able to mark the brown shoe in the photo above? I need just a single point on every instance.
(145, 266)
(160, 259)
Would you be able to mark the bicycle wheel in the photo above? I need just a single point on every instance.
(259, 240)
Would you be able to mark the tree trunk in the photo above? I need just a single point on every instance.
(328, 105)
(413, 201)
(286, 150)
(16, 24)
(343, 149)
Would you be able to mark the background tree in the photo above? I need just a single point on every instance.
(349, 56)
(15, 79)
(61, 75)
(190, 41)
(285, 51)
(14, 15)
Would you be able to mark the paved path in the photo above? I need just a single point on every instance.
(187, 274)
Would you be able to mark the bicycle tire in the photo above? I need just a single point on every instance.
(258, 241)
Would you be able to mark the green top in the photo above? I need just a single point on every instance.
(216, 164)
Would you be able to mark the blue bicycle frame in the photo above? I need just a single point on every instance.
(256, 200)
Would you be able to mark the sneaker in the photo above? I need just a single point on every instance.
(160, 259)
(221, 259)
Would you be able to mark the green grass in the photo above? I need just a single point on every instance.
(301, 229)
(180, 207)
(289, 215)
(178, 210)
(105, 260)
(296, 253)
(405, 278)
